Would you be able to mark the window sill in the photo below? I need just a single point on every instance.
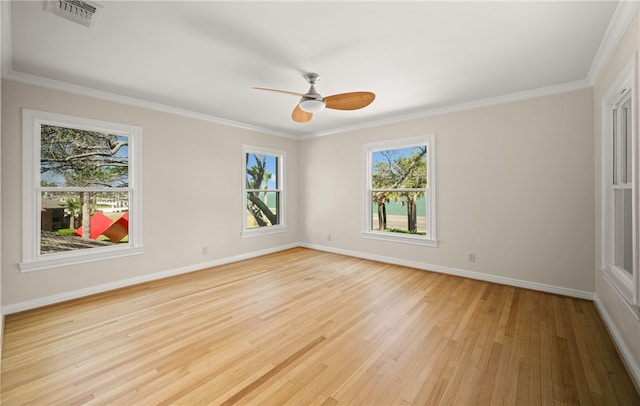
(621, 284)
(263, 231)
(73, 258)
(401, 238)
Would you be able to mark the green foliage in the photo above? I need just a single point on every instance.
(399, 171)
(258, 178)
(257, 173)
(74, 206)
(83, 158)
(66, 231)
(70, 157)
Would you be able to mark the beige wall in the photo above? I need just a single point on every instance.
(192, 193)
(514, 186)
(626, 326)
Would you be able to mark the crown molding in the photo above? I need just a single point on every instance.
(618, 25)
(492, 101)
(132, 101)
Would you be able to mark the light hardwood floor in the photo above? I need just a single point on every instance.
(305, 327)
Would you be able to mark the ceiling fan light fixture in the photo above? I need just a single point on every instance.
(311, 105)
(312, 102)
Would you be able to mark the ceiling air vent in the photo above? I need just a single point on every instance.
(80, 11)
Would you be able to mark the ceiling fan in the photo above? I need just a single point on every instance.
(312, 102)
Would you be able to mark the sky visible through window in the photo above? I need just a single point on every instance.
(271, 168)
(378, 156)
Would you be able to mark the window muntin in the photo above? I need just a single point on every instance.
(263, 191)
(81, 190)
(400, 201)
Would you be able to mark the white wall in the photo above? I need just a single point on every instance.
(192, 194)
(514, 186)
(624, 326)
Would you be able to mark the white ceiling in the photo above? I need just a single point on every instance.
(205, 57)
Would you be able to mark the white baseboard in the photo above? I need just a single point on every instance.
(580, 294)
(62, 297)
(32, 304)
(625, 353)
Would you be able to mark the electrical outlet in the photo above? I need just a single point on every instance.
(205, 250)
(471, 257)
(328, 237)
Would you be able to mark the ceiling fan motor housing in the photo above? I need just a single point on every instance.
(311, 102)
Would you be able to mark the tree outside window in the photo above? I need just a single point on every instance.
(81, 168)
(400, 201)
(263, 190)
(81, 192)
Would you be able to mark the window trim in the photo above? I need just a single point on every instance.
(32, 260)
(625, 285)
(282, 226)
(430, 239)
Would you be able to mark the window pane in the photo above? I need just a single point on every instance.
(625, 129)
(263, 209)
(399, 168)
(615, 146)
(399, 212)
(627, 144)
(262, 171)
(71, 157)
(61, 220)
(623, 256)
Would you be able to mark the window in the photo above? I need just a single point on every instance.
(400, 190)
(81, 190)
(263, 191)
(620, 188)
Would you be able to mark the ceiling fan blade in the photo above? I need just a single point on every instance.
(300, 115)
(349, 101)
(279, 91)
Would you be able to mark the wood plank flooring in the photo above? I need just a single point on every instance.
(304, 327)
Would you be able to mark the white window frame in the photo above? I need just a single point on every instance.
(430, 194)
(280, 189)
(32, 259)
(625, 285)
